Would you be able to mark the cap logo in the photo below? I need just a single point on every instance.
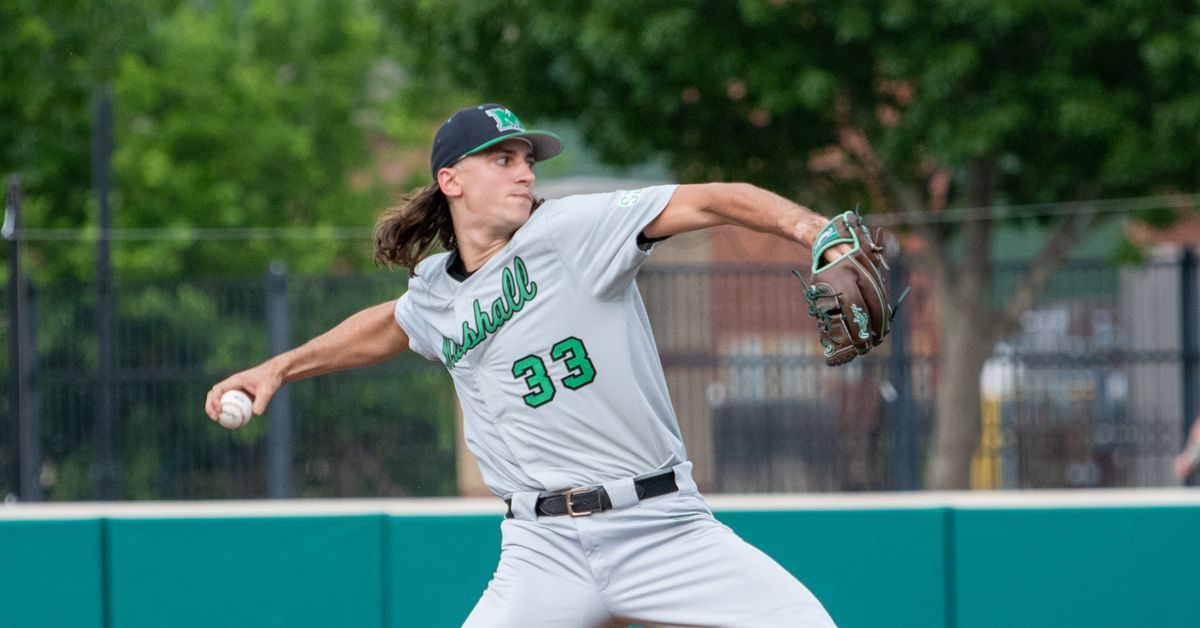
(505, 119)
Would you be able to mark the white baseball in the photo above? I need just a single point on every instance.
(236, 409)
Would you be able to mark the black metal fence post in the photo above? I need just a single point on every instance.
(279, 434)
(13, 426)
(26, 425)
(107, 464)
(902, 409)
(30, 417)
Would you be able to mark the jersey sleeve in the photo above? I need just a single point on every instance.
(414, 327)
(596, 235)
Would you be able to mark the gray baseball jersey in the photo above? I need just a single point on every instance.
(550, 348)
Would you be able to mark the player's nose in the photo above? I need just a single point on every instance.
(525, 173)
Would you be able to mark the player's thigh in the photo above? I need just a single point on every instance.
(541, 580)
(692, 570)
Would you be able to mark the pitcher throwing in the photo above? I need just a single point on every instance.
(534, 312)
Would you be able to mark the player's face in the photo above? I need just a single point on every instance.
(496, 185)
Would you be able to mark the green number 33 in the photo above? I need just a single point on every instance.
(571, 352)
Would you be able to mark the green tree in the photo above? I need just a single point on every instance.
(907, 106)
(228, 114)
(259, 114)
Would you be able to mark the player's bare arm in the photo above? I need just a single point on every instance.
(1188, 459)
(699, 206)
(368, 337)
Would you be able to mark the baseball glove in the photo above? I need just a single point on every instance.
(849, 296)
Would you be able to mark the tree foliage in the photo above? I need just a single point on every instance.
(243, 114)
(904, 106)
(247, 117)
(1073, 100)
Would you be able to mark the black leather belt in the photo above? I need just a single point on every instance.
(581, 502)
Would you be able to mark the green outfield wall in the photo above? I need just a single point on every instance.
(919, 561)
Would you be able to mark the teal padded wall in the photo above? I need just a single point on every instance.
(1093, 567)
(922, 566)
(438, 566)
(251, 571)
(50, 573)
(868, 567)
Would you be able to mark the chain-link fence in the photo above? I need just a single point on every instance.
(385, 430)
(1091, 392)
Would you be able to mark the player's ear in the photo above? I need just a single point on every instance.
(447, 180)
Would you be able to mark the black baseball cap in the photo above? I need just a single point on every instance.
(473, 129)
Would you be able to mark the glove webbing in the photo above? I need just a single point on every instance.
(811, 294)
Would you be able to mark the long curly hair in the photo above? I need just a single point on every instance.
(405, 234)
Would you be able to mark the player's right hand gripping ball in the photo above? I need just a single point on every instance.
(236, 409)
(849, 296)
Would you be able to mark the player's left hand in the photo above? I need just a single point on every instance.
(848, 293)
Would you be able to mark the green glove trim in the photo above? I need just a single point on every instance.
(829, 237)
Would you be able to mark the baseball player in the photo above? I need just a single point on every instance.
(533, 310)
(1186, 461)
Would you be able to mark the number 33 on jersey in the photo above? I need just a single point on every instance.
(533, 370)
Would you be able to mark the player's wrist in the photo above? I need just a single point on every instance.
(806, 229)
(281, 368)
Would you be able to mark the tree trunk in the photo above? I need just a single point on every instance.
(969, 330)
(965, 348)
